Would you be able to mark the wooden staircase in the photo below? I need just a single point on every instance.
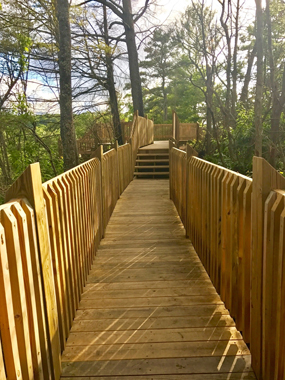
(152, 163)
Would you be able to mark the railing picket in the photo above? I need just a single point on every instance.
(272, 281)
(73, 229)
(234, 246)
(27, 269)
(35, 263)
(59, 273)
(71, 178)
(9, 223)
(66, 260)
(239, 292)
(3, 375)
(8, 326)
(280, 336)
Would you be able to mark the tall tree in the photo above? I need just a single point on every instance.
(95, 52)
(200, 38)
(159, 65)
(111, 83)
(67, 130)
(128, 20)
(129, 25)
(277, 89)
(259, 79)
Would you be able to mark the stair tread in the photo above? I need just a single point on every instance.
(155, 160)
(151, 173)
(153, 154)
(152, 166)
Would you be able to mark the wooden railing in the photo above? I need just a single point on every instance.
(237, 227)
(157, 132)
(49, 235)
(187, 131)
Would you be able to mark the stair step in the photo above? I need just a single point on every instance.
(151, 173)
(152, 167)
(154, 160)
(153, 154)
(153, 151)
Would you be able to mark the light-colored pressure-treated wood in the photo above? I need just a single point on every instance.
(149, 309)
(215, 207)
(29, 186)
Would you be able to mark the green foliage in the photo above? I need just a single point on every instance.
(25, 139)
(243, 141)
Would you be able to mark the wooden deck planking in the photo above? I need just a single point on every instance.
(149, 310)
(157, 145)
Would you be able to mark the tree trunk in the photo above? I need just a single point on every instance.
(259, 80)
(67, 131)
(277, 96)
(133, 58)
(235, 65)
(111, 85)
(209, 101)
(247, 78)
(4, 161)
(164, 92)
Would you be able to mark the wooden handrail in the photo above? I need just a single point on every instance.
(237, 227)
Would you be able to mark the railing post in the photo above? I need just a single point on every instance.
(29, 186)
(170, 169)
(132, 165)
(265, 178)
(189, 153)
(116, 147)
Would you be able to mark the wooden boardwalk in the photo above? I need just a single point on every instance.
(149, 310)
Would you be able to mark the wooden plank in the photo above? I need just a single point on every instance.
(153, 301)
(65, 215)
(141, 276)
(58, 266)
(234, 285)
(15, 266)
(27, 268)
(116, 314)
(7, 321)
(189, 376)
(3, 375)
(280, 341)
(272, 268)
(239, 259)
(185, 334)
(247, 204)
(65, 258)
(146, 285)
(71, 177)
(224, 364)
(35, 261)
(265, 179)
(195, 321)
(72, 233)
(154, 350)
(204, 289)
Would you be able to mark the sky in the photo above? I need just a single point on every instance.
(168, 10)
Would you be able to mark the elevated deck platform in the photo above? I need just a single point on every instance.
(156, 145)
(149, 310)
